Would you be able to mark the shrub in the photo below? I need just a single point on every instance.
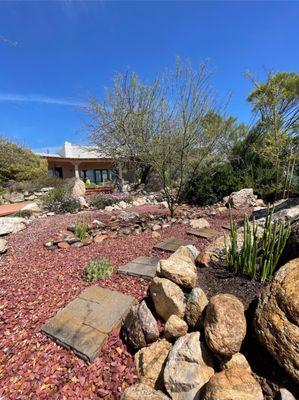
(97, 269)
(20, 164)
(81, 228)
(101, 201)
(257, 253)
(24, 213)
(59, 200)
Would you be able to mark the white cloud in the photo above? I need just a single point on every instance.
(40, 99)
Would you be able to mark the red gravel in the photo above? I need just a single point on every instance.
(35, 283)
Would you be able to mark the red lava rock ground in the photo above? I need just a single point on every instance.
(35, 283)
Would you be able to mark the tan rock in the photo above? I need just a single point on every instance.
(167, 297)
(155, 235)
(175, 327)
(188, 368)
(189, 251)
(233, 384)
(178, 271)
(3, 246)
(238, 360)
(277, 318)
(150, 363)
(143, 392)
(199, 223)
(63, 245)
(195, 307)
(203, 259)
(225, 324)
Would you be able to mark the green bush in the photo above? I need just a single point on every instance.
(59, 200)
(100, 201)
(20, 164)
(257, 254)
(81, 229)
(97, 269)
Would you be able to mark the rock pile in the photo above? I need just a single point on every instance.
(182, 363)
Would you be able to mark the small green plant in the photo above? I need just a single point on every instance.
(256, 252)
(97, 269)
(81, 228)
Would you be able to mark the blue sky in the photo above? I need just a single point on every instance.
(57, 53)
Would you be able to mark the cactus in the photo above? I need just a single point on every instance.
(245, 261)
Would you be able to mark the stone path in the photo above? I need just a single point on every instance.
(9, 209)
(172, 244)
(143, 267)
(85, 323)
(205, 233)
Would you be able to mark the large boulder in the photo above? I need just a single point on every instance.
(3, 246)
(77, 187)
(13, 197)
(277, 318)
(140, 326)
(195, 307)
(188, 368)
(225, 325)
(167, 297)
(150, 363)
(242, 199)
(181, 272)
(11, 225)
(233, 384)
(33, 208)
(175, 327)
(180, 267)
(291, 249)
(143, 392)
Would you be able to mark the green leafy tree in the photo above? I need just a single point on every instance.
(20, 164)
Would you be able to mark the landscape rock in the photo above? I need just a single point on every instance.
(181, 272)
(128, 216)
(277, 318)
(3, 246)
(63, 245)
(186, 251)
(188, 368)
(203, 260)
(242, 199)
(195, 307)
(140, 326)
(199, 223)
(77, 187)
(233, 384)
(33, 208)
(13, 197)
(82, 202)
(143, 392)
(175, 327)
(238, 360)
(150, 363)
(167, 297)
(284, 394)
(225, 325)
(11, 225)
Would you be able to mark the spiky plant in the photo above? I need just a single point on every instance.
(97, 269)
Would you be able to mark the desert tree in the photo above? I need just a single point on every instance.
(159, 125)
(276, 105)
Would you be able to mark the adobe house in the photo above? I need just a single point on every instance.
(84, 162)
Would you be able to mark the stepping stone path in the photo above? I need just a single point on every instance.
(85, 323)
(172, 244)
(143, 267)
(205, 233)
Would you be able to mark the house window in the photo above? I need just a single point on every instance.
(98, 176)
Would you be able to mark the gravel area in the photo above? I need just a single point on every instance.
(35, 283)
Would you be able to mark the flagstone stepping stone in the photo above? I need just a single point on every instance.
(172, 244)
(205, 233)
(85, 323)
(143, 267)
